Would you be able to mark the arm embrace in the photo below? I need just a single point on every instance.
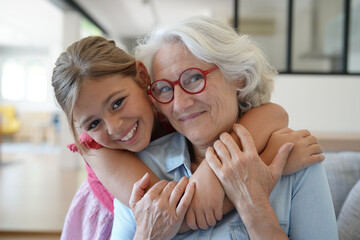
(302, 200)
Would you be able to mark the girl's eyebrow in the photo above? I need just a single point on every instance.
(107, 100)
(104, 103)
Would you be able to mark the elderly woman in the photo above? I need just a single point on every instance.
(220, 73)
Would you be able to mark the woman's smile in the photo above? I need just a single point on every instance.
(190, 117)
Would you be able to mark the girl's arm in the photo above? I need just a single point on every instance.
(118, 170)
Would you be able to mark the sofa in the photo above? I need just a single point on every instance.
(343, 172)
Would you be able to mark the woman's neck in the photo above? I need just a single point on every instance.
(197, 153)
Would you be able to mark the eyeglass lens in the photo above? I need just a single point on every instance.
(192, 81)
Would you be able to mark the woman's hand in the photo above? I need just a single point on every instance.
(160, 212)
(206, 207)
(306, 150)
(248, 181)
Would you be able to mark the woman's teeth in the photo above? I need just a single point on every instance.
(130, 134)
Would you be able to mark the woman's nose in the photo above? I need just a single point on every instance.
(182, 100)
(113, 125)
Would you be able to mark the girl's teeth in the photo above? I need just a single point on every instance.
(130, 134)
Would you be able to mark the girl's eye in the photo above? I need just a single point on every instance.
(93, 124)
(117, 103)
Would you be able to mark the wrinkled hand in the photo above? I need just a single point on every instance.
(207, 204)
(247, 180)
(306, 150)
(160, 212)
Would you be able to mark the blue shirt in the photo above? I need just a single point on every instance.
(301, 201)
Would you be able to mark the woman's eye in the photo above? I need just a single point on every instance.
(165, 89)
(93, 124)
(117, 103)
(196, 77)
(192, 79)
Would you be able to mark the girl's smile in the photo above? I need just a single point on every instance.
(116, 112)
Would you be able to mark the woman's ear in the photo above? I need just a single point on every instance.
(142, 75)
(240, 83)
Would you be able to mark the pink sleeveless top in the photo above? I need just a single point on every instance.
(101, 193)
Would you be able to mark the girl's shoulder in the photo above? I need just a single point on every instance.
(87, 141)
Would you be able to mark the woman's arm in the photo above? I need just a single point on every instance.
(312, 213)
(118, 170)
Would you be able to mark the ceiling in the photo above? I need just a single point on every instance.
(124, 18)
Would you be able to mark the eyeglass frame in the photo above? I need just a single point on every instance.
(177, 82)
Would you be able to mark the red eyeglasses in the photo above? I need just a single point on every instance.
(192, 80)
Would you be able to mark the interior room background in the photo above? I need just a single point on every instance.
(313, 86)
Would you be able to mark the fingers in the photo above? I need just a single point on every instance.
(139, 190)
(210, 218)
(201, 220)
(157, 188)
(218, 214)
(190, 219)
(178, 191)
(284, 130)
(304, 132)
(316, 158)
(315, 149)
(213, 161)
(185, 200)
(245, 138)
(221, 150)
(278, 164)
(227, 148)
(169, 189)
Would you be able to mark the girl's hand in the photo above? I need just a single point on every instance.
(206, 206)
(160, 212)
(306, 150)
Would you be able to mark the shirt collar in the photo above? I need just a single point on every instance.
(176, 162)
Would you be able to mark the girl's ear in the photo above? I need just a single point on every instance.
(142, 75)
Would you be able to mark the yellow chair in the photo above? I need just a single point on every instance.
(9, 123)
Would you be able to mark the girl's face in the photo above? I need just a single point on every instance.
(115, 112)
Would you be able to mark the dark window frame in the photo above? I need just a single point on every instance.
(289, 39)
(289, 35)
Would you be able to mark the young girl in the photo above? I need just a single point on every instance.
(102, 90)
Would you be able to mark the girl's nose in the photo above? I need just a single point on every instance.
(113, 125)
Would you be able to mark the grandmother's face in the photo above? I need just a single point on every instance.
(200, 117)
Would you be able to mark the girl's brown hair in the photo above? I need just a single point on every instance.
(88, 58)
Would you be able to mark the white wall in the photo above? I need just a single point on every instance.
(320, 103)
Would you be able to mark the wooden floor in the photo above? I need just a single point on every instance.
(35, 194)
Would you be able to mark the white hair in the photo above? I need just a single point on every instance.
(237, 56)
